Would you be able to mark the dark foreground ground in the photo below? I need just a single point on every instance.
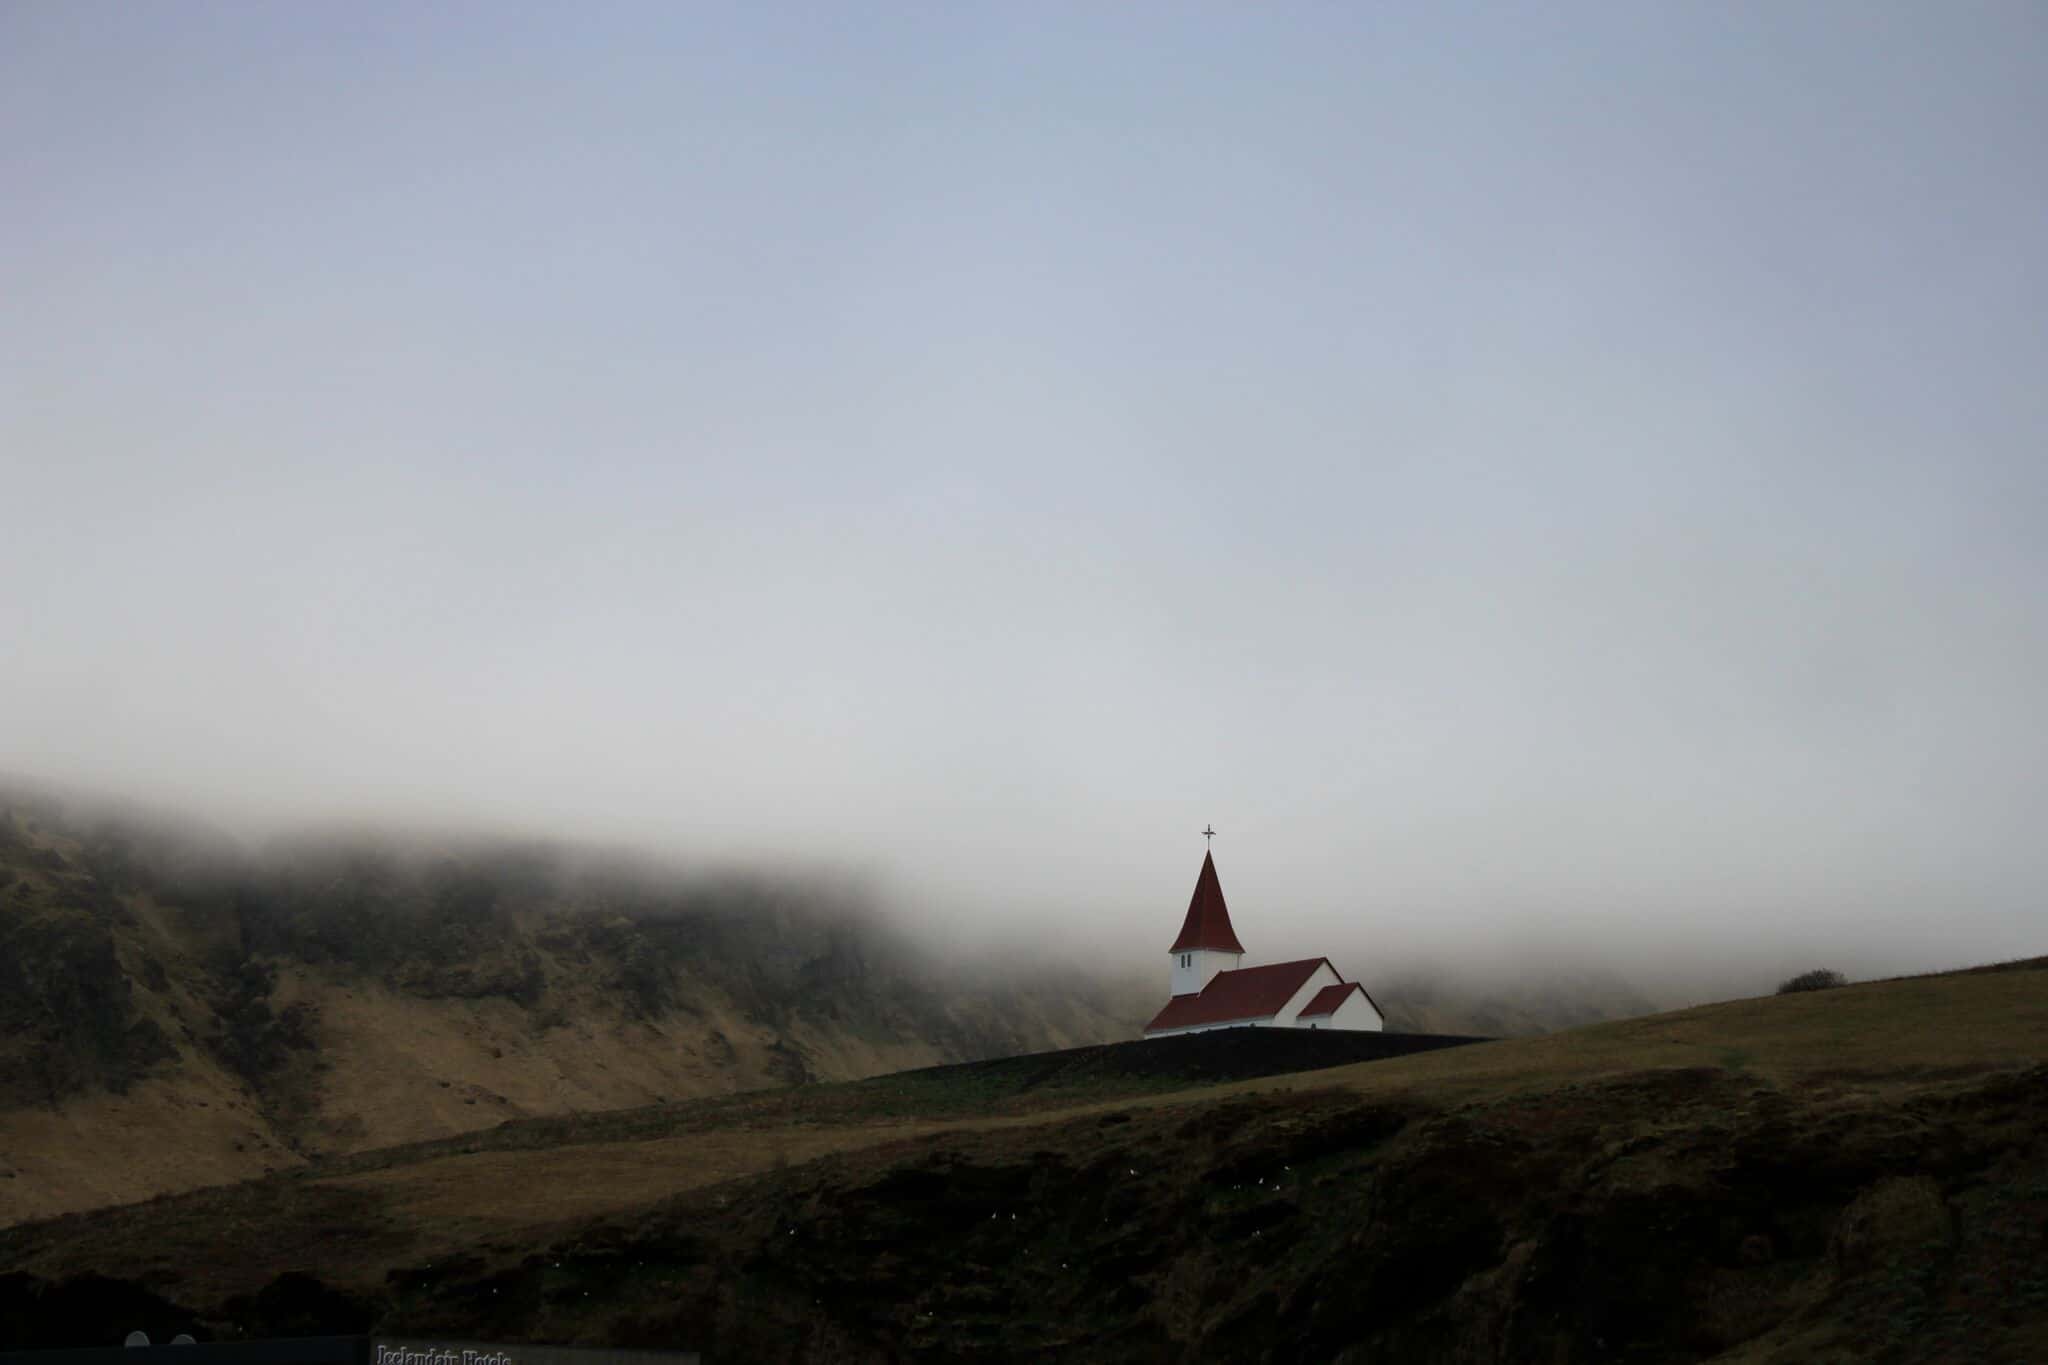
(999, 1087)
(1190, 1058)
(1859, 1175)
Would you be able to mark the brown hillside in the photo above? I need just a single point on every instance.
(1858, 1174)
(175, 1014)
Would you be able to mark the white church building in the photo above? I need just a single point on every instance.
(1211, 989)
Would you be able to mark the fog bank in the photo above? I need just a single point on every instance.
(1550, 487)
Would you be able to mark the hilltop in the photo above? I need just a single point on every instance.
(1853, 1174)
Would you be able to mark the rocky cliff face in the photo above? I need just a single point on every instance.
(175, 1012)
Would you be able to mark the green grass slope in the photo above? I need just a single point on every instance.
(1859, 1174)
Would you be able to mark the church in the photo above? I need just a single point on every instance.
(1211, 990)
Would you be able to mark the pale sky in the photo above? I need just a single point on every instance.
(1562, 476)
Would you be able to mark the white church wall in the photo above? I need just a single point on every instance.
(1356, 1014)
(1290, 1013)
(1192, 971)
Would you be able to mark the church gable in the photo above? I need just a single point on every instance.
(1339, 1005)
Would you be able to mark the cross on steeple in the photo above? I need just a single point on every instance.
(1208, 834)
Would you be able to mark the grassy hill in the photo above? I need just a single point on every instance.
(1856, 1174)
(176, 1011)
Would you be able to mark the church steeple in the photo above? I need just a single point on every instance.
(1207, 926)
(1207, 944)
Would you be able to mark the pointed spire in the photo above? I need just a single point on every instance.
(1208, 921)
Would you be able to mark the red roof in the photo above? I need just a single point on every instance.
(1208, 921)
(1326, 1000)
(1248, 993)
